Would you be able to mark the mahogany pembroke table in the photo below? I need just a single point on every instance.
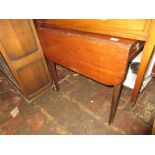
(99, 49)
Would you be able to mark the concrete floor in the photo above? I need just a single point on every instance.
(80, 107)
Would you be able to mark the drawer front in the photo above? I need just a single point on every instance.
(128, 28)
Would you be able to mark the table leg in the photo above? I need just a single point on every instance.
(146, 56)
(54, 74)
(140, 76)
(115, 99)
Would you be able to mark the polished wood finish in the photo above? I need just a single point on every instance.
(115, 99)
(24, 60)
(100, 57)
(54, 74)
(146, 56)
(23, 54)
(140, 29)
(33, 76)
(87, 54)
(17, 41)
(127, 28)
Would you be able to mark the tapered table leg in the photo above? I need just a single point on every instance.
(140, 76)
(145, 59)
(52, 66)
(115, 99)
